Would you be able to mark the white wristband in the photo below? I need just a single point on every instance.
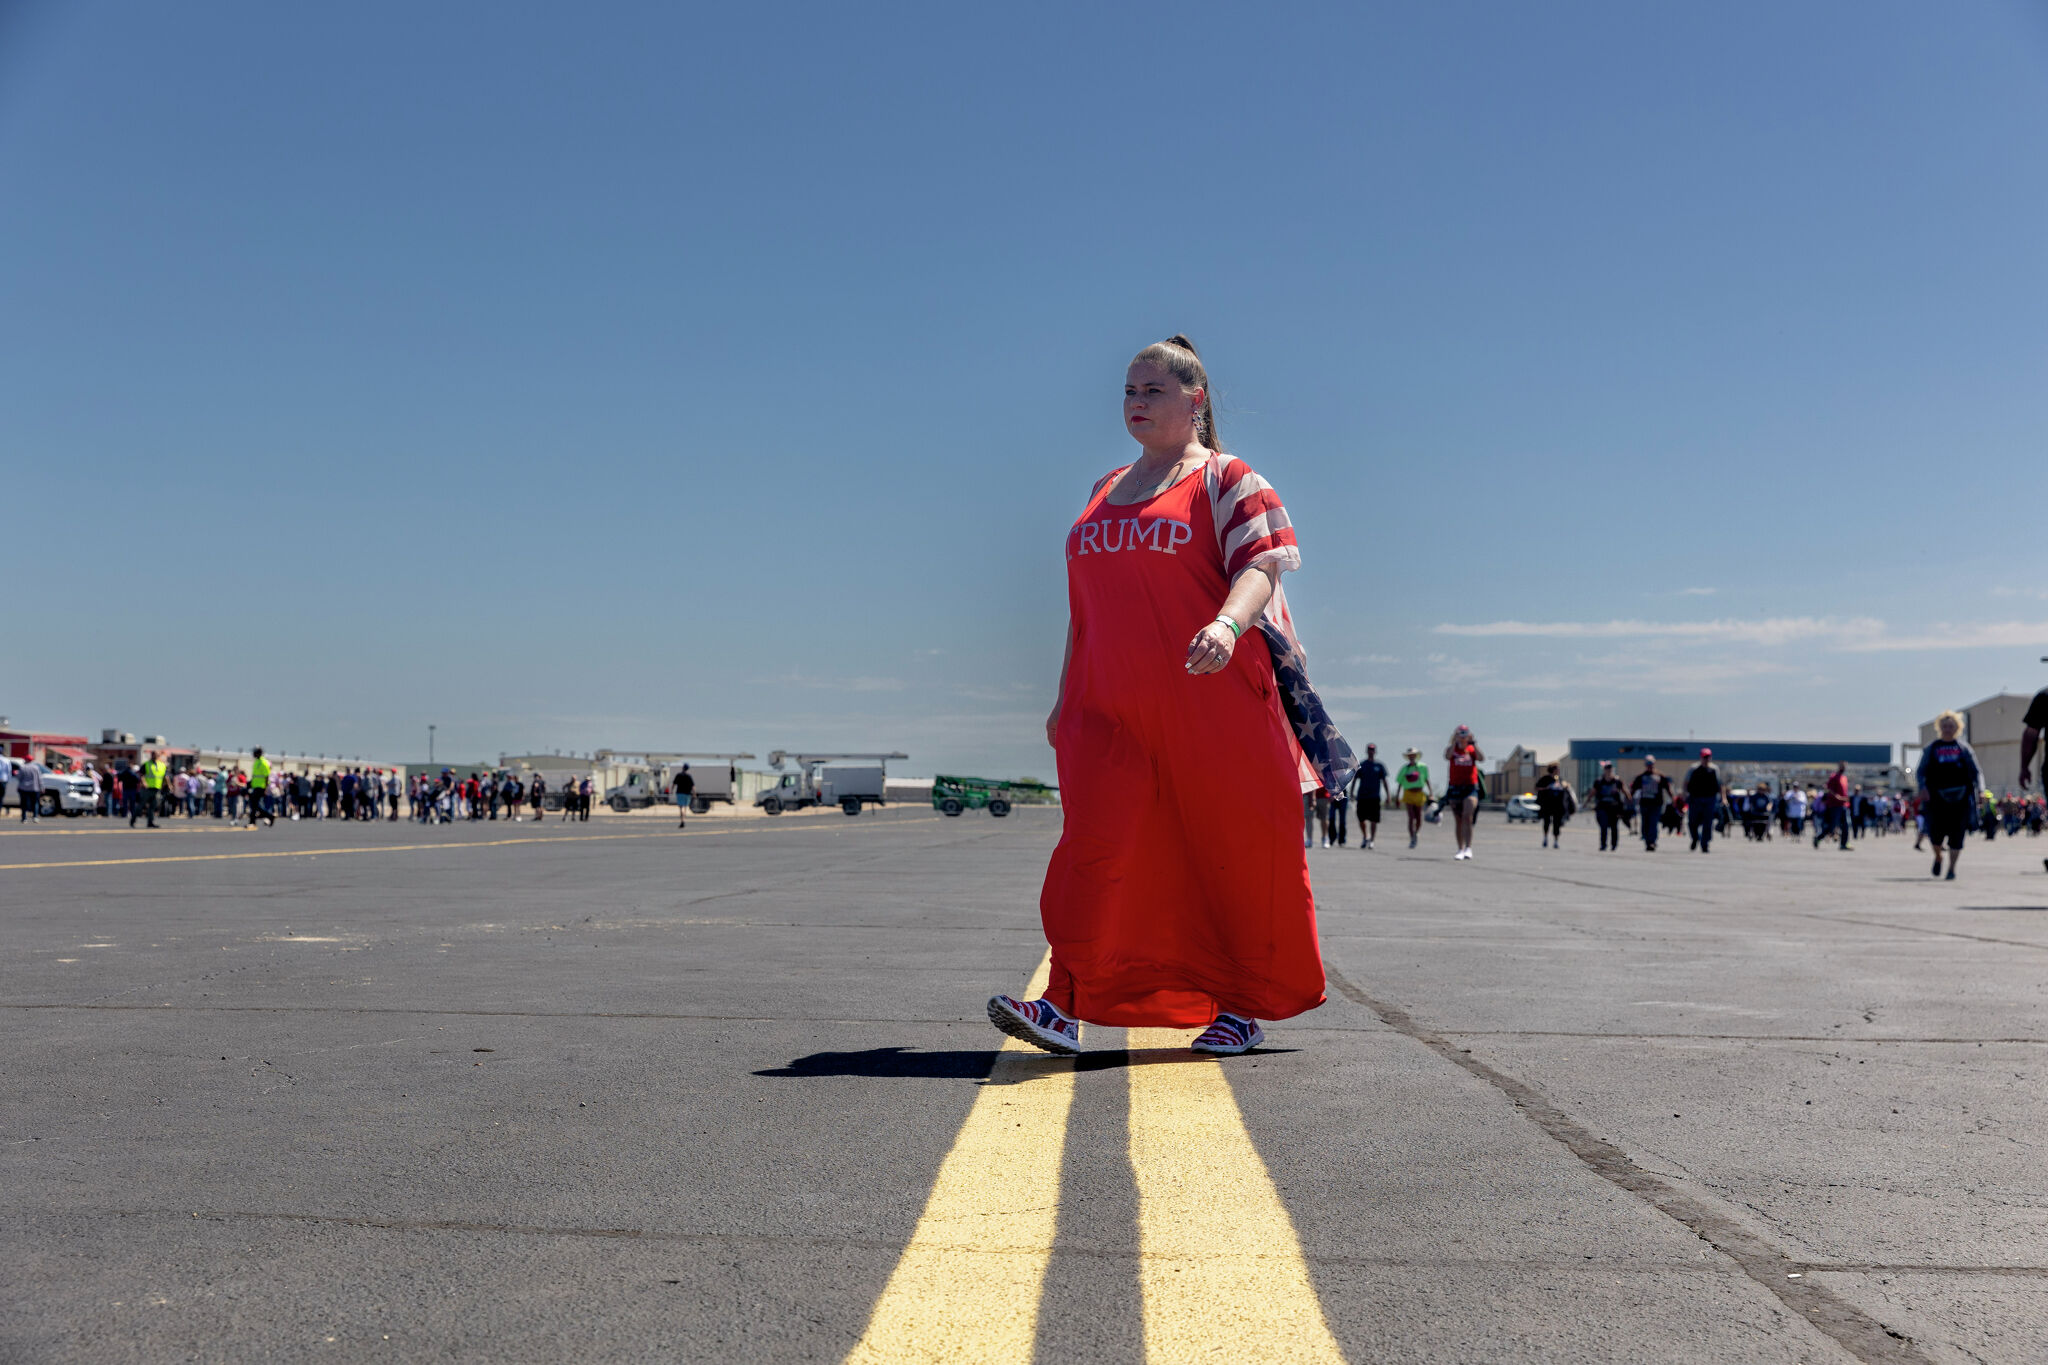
(1236, 630)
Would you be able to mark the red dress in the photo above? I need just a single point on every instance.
(1180, 885)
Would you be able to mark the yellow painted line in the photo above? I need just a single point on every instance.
(968, 1286)
(1220, 1270)
(452, 846)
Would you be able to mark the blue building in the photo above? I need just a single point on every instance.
(1740, 761)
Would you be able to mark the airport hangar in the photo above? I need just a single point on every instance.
(1740, 761)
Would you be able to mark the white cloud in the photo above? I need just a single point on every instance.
(1989, 635)
(1776, 630)
(1012, 692)
(1856, 634)
(1368, 692)
(856, 684)
(1373, 659)
(1697, 592)
(1453, 672)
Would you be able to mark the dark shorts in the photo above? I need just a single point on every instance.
(1453, 795)
(1946, 821)
(1369, 809)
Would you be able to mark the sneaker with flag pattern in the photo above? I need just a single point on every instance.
(1037, 1022)
(1230, 1034)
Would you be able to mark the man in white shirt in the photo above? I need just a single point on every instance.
(28, 785)
(1795, 808)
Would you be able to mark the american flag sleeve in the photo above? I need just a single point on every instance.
(1251, 524)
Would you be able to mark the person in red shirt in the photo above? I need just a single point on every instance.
(1835, 801)
(1165, 906)
(1462, 786)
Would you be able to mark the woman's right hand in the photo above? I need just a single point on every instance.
(1052, 726)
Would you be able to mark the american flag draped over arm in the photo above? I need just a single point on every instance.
(1252, 528)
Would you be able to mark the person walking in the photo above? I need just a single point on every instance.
(2031, 725)
(153, 780)
(1796, 806)
(1835, 808)
(1371, 785)
(1417, 791)
(128, 778)
(259, 789)
(1165, 907)
(1756, 813)
(1948, 780)
(1609, 797)
(1652, 790)
(1463, 786)
(683, 790)
(1553, 805)
(1703, 801)
(28, 789)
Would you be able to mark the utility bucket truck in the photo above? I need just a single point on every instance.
(650, 784)
(813, 784)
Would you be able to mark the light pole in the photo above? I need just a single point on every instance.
(430, 746)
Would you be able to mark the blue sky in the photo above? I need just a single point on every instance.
(689, 377)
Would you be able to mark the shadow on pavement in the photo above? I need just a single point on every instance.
(974, 1066)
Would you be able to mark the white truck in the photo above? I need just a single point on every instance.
(715, 776)
(814, 784)
(71, 793)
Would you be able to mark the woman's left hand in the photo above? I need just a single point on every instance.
(1211, 649)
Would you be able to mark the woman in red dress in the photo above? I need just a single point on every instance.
(1179, 894)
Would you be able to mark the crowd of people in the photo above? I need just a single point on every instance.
(151, 789)
(1949, 800)
(484, 796)
(147, 791)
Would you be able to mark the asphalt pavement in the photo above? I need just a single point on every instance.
(607, 1092)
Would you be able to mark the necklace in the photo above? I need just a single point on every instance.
(1172, 476)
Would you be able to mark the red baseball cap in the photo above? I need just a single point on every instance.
(1706, 753)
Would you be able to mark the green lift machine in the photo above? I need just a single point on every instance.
(951, 795)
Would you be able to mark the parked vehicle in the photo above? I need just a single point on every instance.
(73, 794)
(639, 791)
(952, 795)
(814, 784)
(717, 781)
(1523, 807)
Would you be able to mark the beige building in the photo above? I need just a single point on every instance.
(291, 765)
(604, 773)
(1516, 774)
(118, 748)
(1991, 728)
